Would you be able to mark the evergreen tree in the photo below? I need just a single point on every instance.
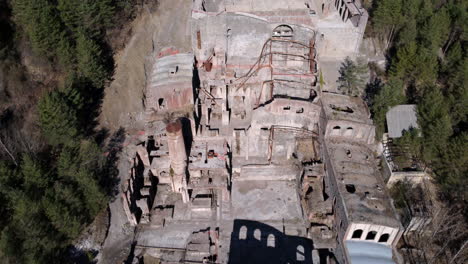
(436, 30)
(8, 179)
(80, 165)
(434, 120)
(408, 33)
(39, 20)
(90, 63)
(403, 65)
(387, 18)
(390, 95)
(452, 170)
(63, 206)
(353, 77)
(91, 15)
(35, 179)
(58, 119)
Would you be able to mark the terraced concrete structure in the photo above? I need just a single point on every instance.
(247, 158)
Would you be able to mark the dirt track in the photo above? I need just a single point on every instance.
(168, 26)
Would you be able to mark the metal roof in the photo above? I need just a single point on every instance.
(399, 118)
(364, 252)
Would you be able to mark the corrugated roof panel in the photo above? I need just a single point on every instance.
(363, 252)
(399, 118)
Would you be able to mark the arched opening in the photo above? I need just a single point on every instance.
(357, 234)
(336, 131)
(271, 240)
(371, 235)
(349, 131)
(161, 103)
(258, 234)
(243, 232)
(300, 253)
(384, 238)
(283, 31)
(360, 134)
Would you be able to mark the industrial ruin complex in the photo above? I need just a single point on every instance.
(250, 157)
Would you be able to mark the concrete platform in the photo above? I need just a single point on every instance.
(266, 200)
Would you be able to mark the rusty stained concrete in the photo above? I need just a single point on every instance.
(259, 146)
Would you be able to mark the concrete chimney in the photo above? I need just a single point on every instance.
(178, 157)
(175, 142)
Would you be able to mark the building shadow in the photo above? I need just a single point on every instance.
(255, 242)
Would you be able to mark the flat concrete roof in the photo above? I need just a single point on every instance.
(360, 183)
(266, 200)
(343, 107)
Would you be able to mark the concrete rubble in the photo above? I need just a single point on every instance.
(247, 159)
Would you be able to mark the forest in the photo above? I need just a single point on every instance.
(425, 46)
(427, 66)
(56, 172)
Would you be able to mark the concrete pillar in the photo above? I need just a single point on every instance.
(204, 113)
(346, 13)
(185, 196)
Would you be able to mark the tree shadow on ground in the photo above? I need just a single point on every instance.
(110, 172)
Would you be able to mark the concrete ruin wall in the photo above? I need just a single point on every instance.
(261, 134)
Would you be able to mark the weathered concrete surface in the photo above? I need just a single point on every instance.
(123, 103)
(116, 247)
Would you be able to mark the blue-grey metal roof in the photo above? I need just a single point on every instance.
(399, 118)
(364, 252)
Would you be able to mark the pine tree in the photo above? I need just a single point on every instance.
(63, 206)
(90, 63)
(58, 119)
(8, 179)
(353, 77)
(403, 65)
(436, 30)
(40, 22)
(390, 95)
(35, 178)
(91, 15)
(80, 165)
(388, 18)
(434, 121)
(452, 170)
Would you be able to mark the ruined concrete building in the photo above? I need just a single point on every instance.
(248, 159)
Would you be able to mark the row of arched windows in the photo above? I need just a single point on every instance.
(357, 234)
